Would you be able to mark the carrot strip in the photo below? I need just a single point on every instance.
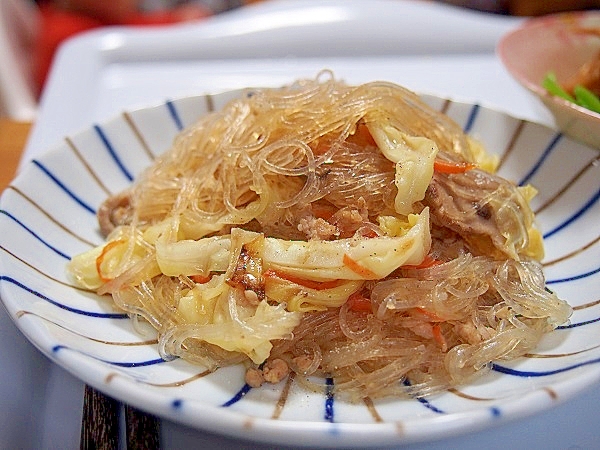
(100, 259)
(439, 337)
(200, 279)
(358, 269)
(451, 166)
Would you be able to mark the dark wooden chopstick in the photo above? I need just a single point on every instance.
(143, 430)
(100, 424)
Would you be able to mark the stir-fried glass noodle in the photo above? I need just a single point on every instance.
(338, 231)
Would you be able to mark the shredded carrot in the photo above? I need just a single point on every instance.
(200, 279)
(100, 259)
(451, 166)
(439, 337)
(311, 284)
(358, 269)
(359, 303)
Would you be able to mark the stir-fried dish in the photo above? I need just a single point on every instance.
(333, 231)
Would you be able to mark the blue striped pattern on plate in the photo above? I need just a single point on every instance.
(48, 214)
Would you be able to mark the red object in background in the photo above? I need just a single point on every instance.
(57, 25)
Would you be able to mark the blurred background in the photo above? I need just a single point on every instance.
(32, 30)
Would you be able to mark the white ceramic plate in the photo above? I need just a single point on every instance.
(48, 214)
(552, 43)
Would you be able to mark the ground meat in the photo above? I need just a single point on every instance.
(342, 223)
(251, 297)
(351, 218)
(446, 244)
(276, 370)
(254, 377)
(115, 211)
(317, 228)
(273, 372)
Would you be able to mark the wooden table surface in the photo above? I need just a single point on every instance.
(13, 136)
